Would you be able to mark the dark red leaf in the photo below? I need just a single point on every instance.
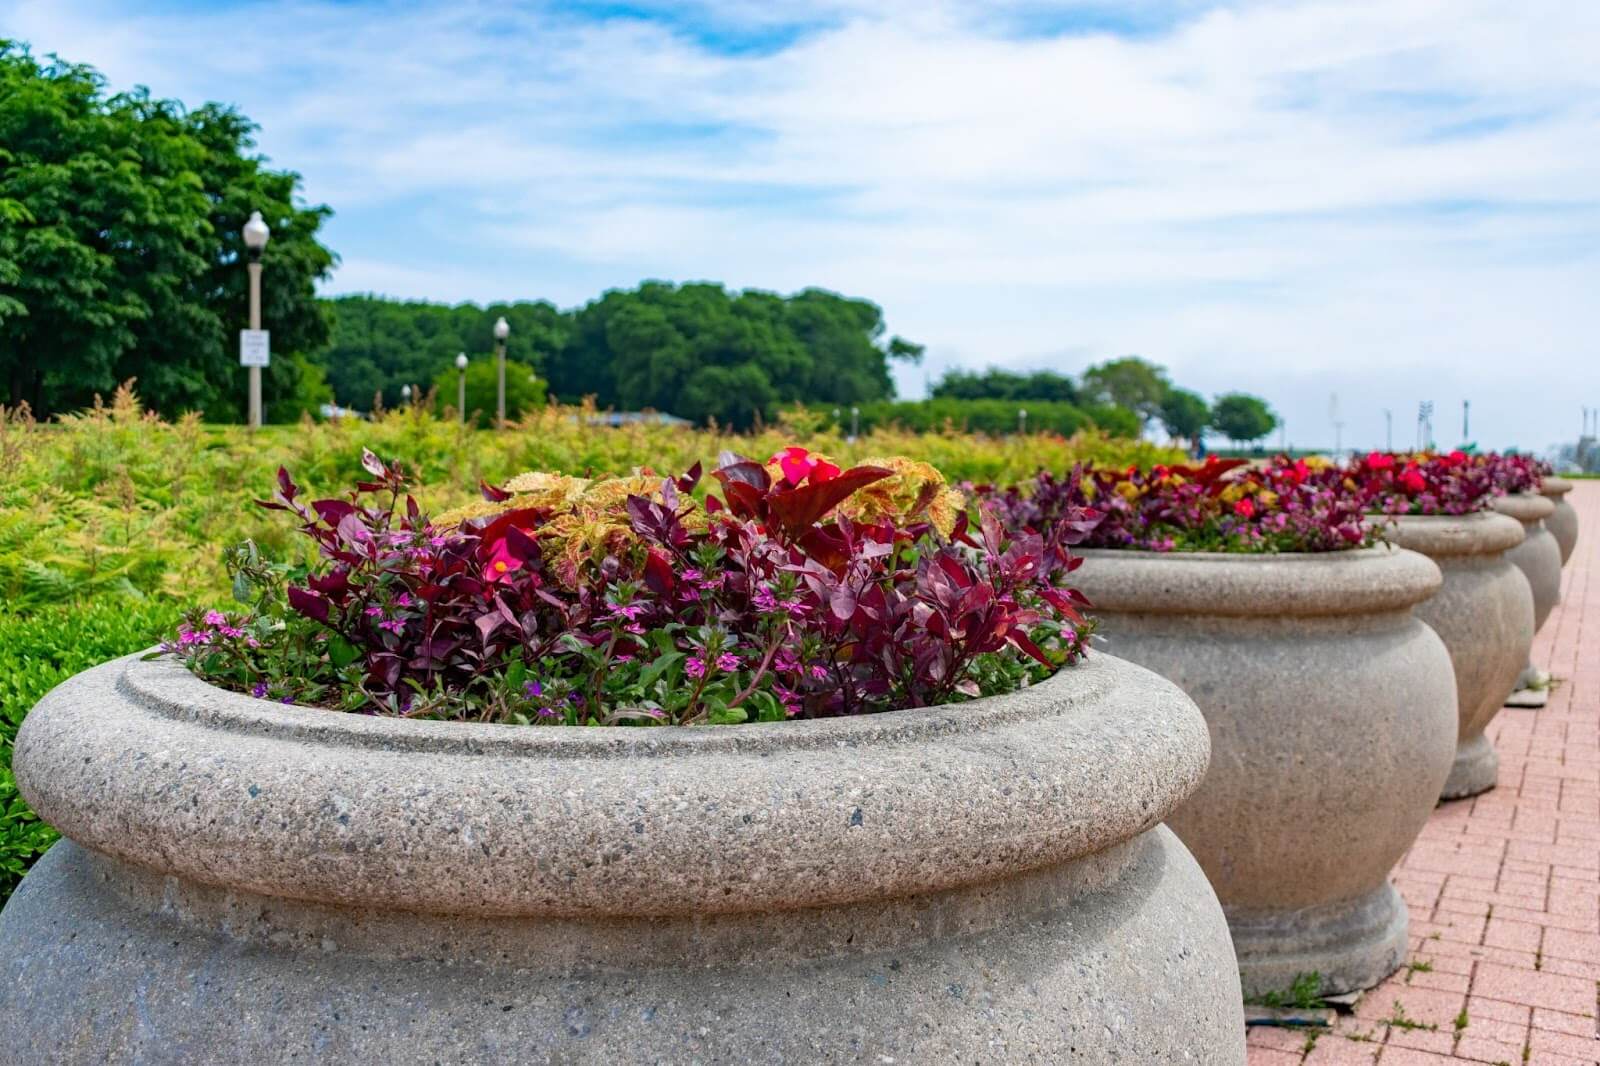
(796, 510)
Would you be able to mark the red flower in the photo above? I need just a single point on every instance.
(1379, 461)
(1244, 508)
(1412, 480)
(797, 464)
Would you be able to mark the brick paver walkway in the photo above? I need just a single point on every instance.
(1504, 889)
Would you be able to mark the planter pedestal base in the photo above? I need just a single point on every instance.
(1351, 946)
(1476, 767)
(1528, 699)
(1533, 689)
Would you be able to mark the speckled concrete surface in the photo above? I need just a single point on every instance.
(1538, 556)
(1484, 614)
(1332, 712)
(1563, 521)
(258, 883)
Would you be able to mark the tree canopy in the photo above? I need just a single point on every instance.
(120, 244)
(1242, 417)
(1131, 382)
(1184, 414)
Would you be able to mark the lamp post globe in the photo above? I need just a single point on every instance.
(461, 388)
(502, 330)
(405, 393)
(255, 234)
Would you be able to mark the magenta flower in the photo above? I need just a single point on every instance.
(695, 667)
(728, 661)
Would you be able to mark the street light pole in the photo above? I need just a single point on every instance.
(502, 330)
(1388, 430)
(1022, 420)
(461, 388)
(255, 241)
(855, 422)
(1466, 434)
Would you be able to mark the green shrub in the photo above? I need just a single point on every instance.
(37, 652)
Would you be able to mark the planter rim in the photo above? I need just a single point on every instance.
(1356, 581)
(1554, 487)
(1478, 533)
(1525, 507)
(143, 761)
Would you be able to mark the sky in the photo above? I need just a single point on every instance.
(1345, 207)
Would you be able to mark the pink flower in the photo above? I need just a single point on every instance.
(502, 564)
(798, 464)
(695, 667)
(728, 661)
(216, 618)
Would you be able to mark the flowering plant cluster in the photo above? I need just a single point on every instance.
(1223, 505)
(1512, 473)
(1452, 483)
(794, 589)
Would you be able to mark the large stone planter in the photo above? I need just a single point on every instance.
(1484, 615)
(1539, 559)
(246, 882)
(1332, 712)
(1538, 556)
(1563, 521)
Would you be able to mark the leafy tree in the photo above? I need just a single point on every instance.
(1129, 382)
(1242, 417)
(1185, 415)
(524, 391)
(120, 248)
(997, 384)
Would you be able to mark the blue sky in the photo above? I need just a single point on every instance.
(1382, 201)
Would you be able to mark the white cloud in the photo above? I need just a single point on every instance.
(1381, 198)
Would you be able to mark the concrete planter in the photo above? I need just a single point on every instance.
(1332, 712)
(1563, 521)
(247, 882)
(1484, 615)
(1538, 556)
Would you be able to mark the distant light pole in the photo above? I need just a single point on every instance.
(256, 233)
(1388, 430)
(461, 388)
(502, 330)
(855, 422)
(1022, 420)
(1466, 434)
(838, 415)
(1424, 424)
(405, 395)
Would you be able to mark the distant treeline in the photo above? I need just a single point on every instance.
(696, 350)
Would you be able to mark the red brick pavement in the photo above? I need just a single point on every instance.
(1504, 888)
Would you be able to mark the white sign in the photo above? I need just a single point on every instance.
(255, 347)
